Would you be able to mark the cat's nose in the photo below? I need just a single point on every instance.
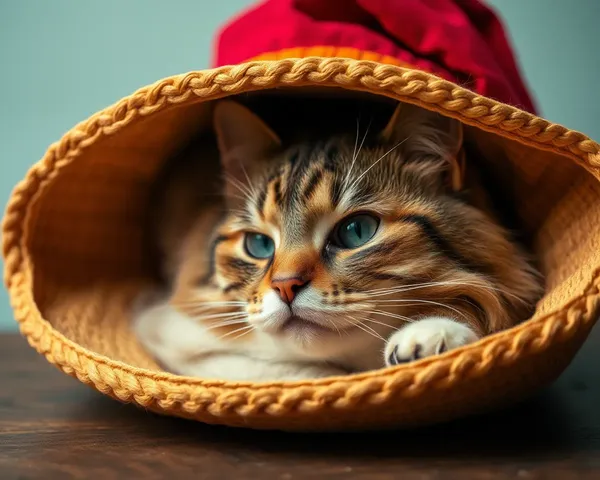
(288, 288)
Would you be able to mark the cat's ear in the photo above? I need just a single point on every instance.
(244, 140)
(426, 136)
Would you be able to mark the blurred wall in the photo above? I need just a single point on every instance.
(62, 60)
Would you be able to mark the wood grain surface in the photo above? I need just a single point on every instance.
(52, 426)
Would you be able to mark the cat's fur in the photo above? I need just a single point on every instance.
(440, 272)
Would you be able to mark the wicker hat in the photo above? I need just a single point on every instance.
(72, 231)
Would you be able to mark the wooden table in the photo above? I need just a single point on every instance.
(51, 426)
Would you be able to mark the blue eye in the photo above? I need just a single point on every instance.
(258, 245)
(355, 231)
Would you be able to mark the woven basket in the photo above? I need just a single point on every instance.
(72, 236)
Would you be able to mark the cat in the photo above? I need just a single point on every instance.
(323, 258)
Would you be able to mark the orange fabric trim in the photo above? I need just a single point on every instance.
(333, 51)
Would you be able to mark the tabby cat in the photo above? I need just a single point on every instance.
(324, 258)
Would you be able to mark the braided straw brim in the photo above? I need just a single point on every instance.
(72, 263)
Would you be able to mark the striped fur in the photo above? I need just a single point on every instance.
(435, 253)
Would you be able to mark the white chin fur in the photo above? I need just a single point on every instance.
(334, 346)
(185, 346)
(273, 315)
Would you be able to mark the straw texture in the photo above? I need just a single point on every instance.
(71, 238)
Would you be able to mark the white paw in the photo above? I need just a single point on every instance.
(423, 338)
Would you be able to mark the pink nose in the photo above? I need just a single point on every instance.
(288, 288)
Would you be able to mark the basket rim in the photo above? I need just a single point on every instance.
(148, 387)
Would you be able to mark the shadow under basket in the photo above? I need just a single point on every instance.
(73, 241)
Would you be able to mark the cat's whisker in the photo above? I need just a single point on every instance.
(212, 314)
(221, 315)
(359, 325)
(390, 315)
(410, 285)
(250, 185)
(473, 304)
(404, 303)
(237, 184)
(240, 186)
(400, 302)
(224, 309)
(365, 328)
(376, 162)
(356, 153)
(391, 292)
(334, 325)
(401, 288)
(215, 303)
(210, 308)
(371, 329)
(344, 307)
(356, 136)
(405, 288)
(242, 329)
(218, 303)
(226, 324)
(217, 313)
(244, 333)
(366, 303)
(383, 324)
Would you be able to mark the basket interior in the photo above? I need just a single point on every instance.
(85, 235)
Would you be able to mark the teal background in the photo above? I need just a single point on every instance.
(62, 60)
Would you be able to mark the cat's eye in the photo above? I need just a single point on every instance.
(258, 245)
(355, 231)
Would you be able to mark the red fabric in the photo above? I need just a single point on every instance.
(460, 40)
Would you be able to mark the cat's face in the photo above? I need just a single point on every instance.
(316, 243)
(330, 247)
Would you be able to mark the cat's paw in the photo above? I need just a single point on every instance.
(423, 338)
